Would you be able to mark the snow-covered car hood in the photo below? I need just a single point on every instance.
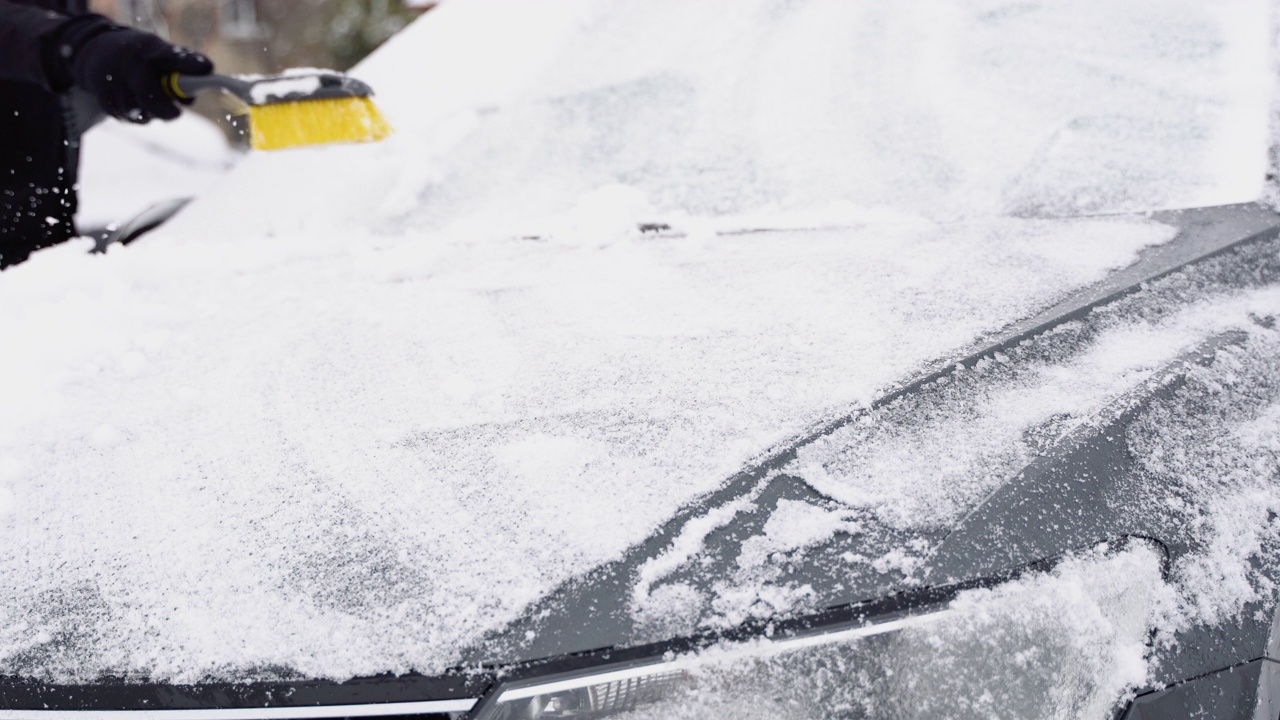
(1139, 406)
(360, 407)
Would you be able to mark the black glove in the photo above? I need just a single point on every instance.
(123, 67)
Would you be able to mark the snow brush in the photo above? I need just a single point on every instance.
(302, 108)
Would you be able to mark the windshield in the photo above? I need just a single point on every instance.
(847, 111)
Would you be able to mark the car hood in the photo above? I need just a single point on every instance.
(1072, 428)
(286, 451)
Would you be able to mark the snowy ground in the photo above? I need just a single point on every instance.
(359, 405)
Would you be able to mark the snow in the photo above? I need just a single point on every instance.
(292, 396)
(688, 544)
(923, 463)
(265, 90)
(997, 419)
(1222, 485)
(125, 168)
(960, 110)
(1062, 644)
(795, 525)
(1209, 451)
(359, 405)
(672, 608)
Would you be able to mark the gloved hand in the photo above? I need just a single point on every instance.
(123, 68)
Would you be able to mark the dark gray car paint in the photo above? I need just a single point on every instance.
(1249, 691)
(1081, 490)
(1075, 496)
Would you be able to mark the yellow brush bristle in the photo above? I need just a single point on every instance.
(316, 122)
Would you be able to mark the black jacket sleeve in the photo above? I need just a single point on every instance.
(23, 31)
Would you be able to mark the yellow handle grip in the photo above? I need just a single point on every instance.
(172, 88)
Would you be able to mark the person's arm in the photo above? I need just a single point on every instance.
(121, 67)
(23, 34)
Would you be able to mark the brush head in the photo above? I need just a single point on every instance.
(274, 126)
(310, 107)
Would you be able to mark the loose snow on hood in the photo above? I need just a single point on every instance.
(995, 423)
(1064, 644)
(362, 404)
(825, 108)
(244, 458)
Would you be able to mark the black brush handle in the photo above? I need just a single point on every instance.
(185, 87)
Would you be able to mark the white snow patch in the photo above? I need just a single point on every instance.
(736, 602)
(794, 525)
(601, 216)
(300, 390)
(930, 471)
(686, 545)
(125, 168)
(897, 560)
(104, 436)
(264, 90)
(1066, 644)
(10, 469)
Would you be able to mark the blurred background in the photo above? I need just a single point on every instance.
(126, 168)
(264, 36)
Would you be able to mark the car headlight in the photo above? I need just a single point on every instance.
(1065, 642)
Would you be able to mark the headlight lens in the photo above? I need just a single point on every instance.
(1060, 644)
